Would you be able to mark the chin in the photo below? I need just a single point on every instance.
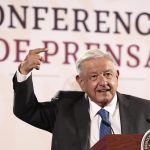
(103, 103)
(104, 100)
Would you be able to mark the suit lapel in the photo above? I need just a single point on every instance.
(126, 114)
(83, 122)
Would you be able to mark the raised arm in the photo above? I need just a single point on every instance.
(26, 106)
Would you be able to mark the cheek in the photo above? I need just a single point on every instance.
(91, 86)
(114, 83)
(84, 85)
(88, 86)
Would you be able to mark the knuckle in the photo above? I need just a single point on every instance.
(31, 51)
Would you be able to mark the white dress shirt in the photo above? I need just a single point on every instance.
(114, 118)
(21, 77)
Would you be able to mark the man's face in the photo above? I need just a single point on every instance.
(99, 79)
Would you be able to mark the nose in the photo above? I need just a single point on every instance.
(102, 80)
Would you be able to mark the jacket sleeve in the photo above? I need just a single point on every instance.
(27, 108)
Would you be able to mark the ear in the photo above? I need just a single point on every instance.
(117, 74)
(80, 82)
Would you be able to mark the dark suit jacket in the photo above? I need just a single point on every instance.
(67, 116)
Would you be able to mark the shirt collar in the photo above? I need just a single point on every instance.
(94, 108)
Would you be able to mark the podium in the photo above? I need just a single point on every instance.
(119, 142)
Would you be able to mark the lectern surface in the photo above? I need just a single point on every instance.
(119, 142)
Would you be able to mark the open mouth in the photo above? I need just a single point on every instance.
(104, 90)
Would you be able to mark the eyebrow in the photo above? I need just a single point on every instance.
(108, 70)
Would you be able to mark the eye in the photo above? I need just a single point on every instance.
(93, 77)
(108, 75)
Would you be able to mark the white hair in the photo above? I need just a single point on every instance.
(91, 54)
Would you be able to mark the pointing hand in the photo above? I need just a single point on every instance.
(32, 61)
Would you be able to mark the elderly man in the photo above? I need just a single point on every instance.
(76, 118)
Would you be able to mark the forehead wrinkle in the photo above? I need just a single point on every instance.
(91, 66)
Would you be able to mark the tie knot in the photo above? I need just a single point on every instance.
(104, 115)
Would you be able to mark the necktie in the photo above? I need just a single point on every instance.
(105, 126)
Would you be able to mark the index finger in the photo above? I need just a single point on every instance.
(38, 50)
